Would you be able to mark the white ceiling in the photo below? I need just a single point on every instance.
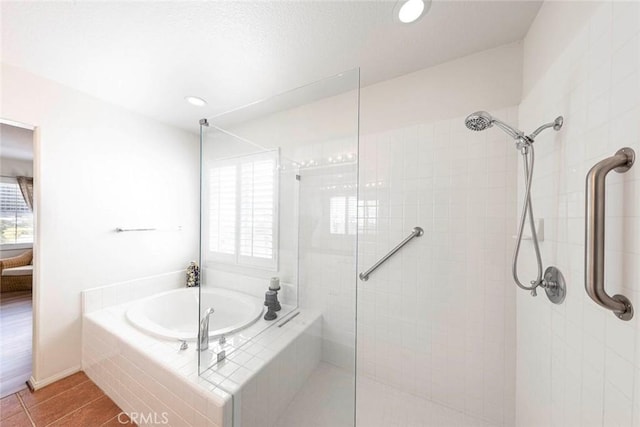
(15, 142)
(146, 56)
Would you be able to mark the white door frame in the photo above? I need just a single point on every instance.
(36, 238)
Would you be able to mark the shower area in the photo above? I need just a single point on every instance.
(297, 199)
(430, 265)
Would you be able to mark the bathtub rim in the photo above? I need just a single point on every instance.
(153, 331)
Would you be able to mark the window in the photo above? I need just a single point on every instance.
(16, 218)
(368, 214)
(242, 216)
(343, 215)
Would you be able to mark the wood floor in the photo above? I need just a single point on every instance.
(15, 341)
(74, 401)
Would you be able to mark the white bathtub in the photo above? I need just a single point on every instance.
(174, 314)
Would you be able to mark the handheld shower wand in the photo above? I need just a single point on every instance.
(552, 282)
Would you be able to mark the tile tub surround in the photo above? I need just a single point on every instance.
(147, 375)
(119, 293)
(265, 398)
(444, 305)
(577, 363)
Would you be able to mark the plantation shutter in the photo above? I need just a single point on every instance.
(243, 194)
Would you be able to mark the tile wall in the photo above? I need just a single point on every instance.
(577, 364)
(328, 250)
(437, 320)
(119, 293)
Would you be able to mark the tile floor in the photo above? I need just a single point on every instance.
(380, 405)
(326, 400)
(74, 401)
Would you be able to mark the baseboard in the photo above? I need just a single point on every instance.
(36, 385)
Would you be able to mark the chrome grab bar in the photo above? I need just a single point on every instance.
(416, 232)
(594, 233)
(123, 230)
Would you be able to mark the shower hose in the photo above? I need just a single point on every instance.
(528, 160)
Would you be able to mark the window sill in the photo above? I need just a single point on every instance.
(15, 246)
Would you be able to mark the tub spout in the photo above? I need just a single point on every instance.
(203, 333)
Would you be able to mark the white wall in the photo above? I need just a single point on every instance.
(577, 364)
(485, 80)
(98, 167)
(489, 79)
(554, 26)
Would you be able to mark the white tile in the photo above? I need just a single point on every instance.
(625, 60)
(599, 350)
(619, 373)
(625, 18)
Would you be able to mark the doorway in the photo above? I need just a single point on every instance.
(17, 231)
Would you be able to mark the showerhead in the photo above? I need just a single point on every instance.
(480, 120)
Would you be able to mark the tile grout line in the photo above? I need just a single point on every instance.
(111, 419)
(75, 410)
(24, 408)
(55, 395)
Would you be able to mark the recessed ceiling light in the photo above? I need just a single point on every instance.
(408, 11)
(194, 100)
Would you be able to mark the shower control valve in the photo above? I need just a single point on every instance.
(535, 284)
(554, 285)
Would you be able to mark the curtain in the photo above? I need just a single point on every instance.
(26, 187)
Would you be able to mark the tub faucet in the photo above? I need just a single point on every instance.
(203, 333)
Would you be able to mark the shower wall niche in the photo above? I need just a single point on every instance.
(279, 199)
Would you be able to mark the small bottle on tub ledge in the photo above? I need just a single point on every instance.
(271, 299)
(193, 275)
(274, 285)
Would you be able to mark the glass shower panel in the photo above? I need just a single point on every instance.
(279, 222)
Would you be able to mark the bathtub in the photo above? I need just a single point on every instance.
(174, 314)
